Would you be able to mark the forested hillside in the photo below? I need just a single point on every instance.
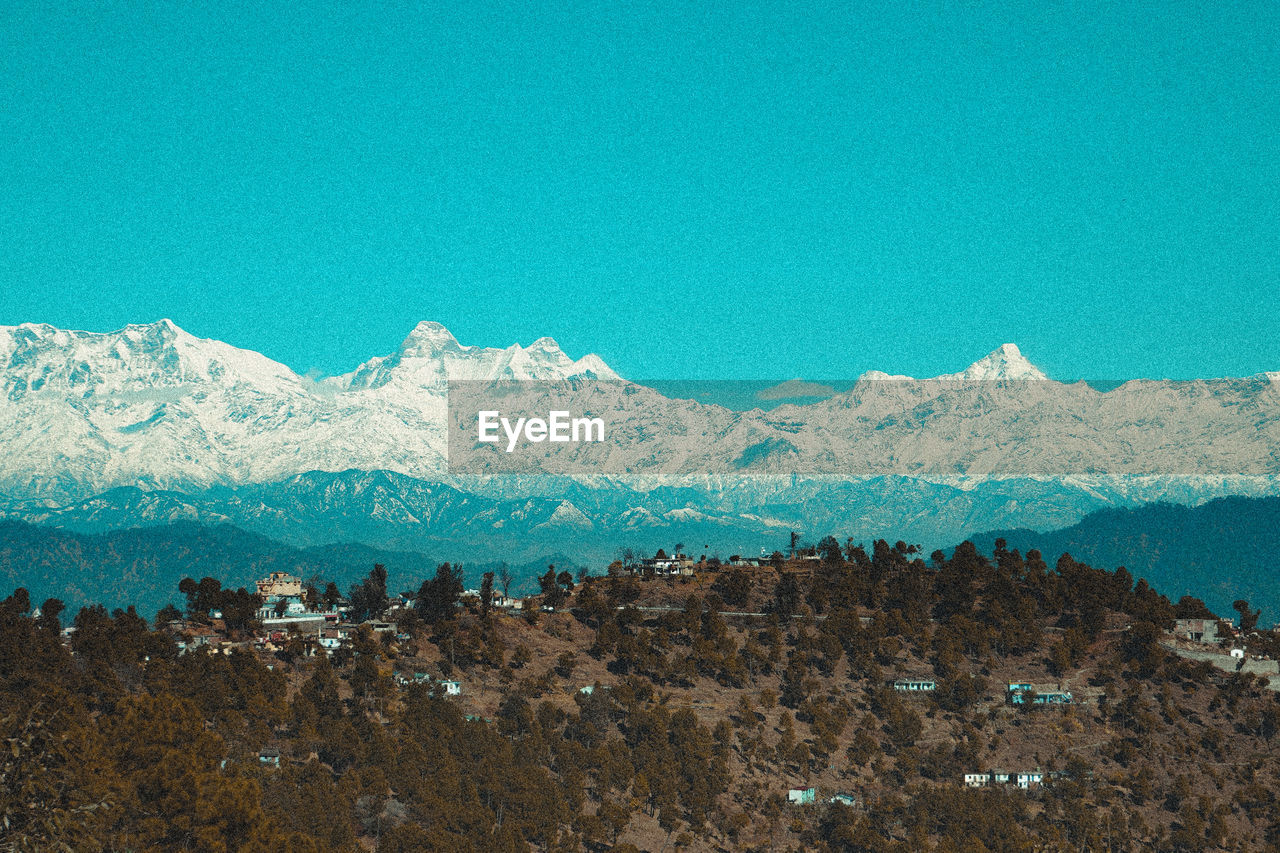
(651, 713)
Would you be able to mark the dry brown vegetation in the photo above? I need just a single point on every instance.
(696, 727)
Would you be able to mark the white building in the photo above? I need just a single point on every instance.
(800, 796)
(915, 685)
(1026, 780)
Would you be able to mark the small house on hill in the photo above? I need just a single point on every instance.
(1026, 780)
(800, 796)
(1040, 694)
(915, 685)
(1196, 630)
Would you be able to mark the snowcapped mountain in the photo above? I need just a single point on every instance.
(154, 406)
(431, 356)
(188, 429)
(1007, 363)
(39, 358)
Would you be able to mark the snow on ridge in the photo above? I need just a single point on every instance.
(153, 405)
(881, 376)
(1003, 363)
(1006, 362)
(137, 356)
(431, 356)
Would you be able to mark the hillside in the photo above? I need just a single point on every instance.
(1221, 551)
(649, 713)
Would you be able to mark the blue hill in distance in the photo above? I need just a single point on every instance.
(1220, 551)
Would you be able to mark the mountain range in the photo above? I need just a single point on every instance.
(1219, 552)
(149, 425)
(152, 406)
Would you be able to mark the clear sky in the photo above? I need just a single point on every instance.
(745, 191)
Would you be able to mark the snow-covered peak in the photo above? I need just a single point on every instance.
(594, 366)
(1004, 363)
(40, 357)
(544, 344)
(431, 356)
(881, 376)
(428, 338)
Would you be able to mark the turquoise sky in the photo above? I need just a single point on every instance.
(689, 190)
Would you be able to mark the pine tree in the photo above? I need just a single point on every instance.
(438, 597)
